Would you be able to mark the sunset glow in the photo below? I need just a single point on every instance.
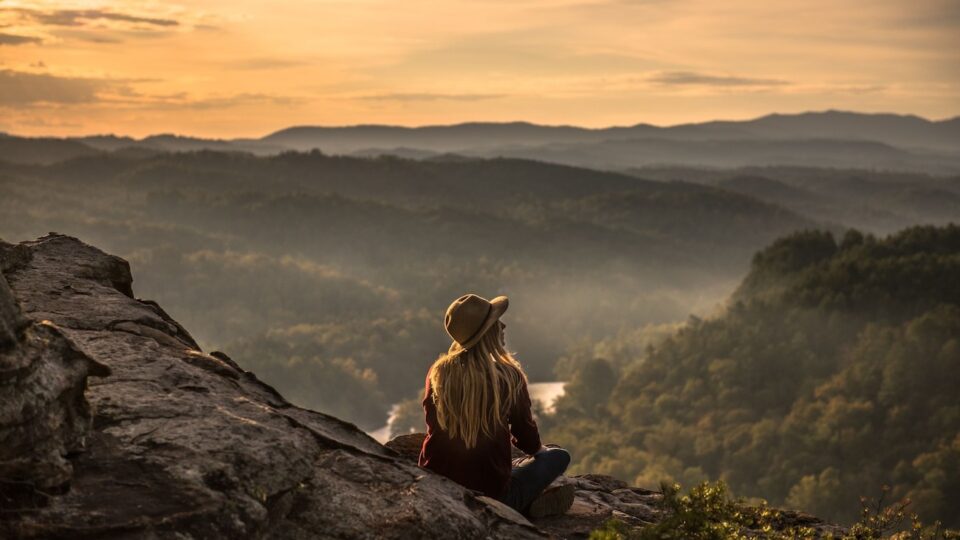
(245, 68)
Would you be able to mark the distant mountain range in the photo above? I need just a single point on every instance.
(909, 132)
(830, 138)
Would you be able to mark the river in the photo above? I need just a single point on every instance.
(544, 392)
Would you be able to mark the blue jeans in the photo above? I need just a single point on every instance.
(532, 474)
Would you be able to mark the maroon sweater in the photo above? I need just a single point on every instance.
(485, 467)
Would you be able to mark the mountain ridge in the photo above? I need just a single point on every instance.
(833, 113)
(814, 124)
(911, 143)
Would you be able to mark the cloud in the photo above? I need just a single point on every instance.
(510, 56)
(936, 14)
(19, 88)
(126, 97)
(859, 89)
(12, 39)
(692, 78)
(237, 100)
(42, 122)
(98, 36)
(25, 89)
(427, 96)
(81, 17)
(264, 63)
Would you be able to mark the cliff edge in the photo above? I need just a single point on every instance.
(166, 441)
(114, 424)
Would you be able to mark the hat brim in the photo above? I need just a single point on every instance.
(497, 308)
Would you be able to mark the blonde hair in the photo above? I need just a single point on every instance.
(468, 387)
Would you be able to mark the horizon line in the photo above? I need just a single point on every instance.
(487, 123)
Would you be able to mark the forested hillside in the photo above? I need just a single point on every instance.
(329, 276)
(834, 371)
(882, 202)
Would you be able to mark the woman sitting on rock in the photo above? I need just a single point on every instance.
(477, 404)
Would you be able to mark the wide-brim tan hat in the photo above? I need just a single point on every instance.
(469, 317)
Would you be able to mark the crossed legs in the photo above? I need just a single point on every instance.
(532, 474)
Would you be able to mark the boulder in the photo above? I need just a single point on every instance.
(44, 416)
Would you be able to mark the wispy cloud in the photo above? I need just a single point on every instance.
(693, 78)
(235, 100)
(429, 96)
(27, 89)
(13, 39)
(182, 101)
(91, 36)
(18, 88)
(82, 17)
(265, 63)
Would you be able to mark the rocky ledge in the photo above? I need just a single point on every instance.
(114, 424)
(166, 441)
(597, 498)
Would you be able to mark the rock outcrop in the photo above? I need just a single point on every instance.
(597, 498)
(182, 444)
(43, 414)
(114, 424)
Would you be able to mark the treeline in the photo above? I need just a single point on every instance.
(882, 202)
(834, 371)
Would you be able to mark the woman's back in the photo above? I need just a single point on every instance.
(476, 404)
(485, 466)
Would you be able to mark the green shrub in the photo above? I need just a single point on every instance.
(709, 512)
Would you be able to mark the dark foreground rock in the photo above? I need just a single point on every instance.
(176, 443)
(43, 414)
(598, 498)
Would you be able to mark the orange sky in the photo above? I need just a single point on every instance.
(246, 68)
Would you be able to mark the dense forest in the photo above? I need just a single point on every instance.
(328, 275)
(877, 201)
(832, 372)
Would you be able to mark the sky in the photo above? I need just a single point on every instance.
(243, 68)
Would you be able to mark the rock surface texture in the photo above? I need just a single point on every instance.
(597, 498)
(43, 413)
(113, 424)
(182, 444)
